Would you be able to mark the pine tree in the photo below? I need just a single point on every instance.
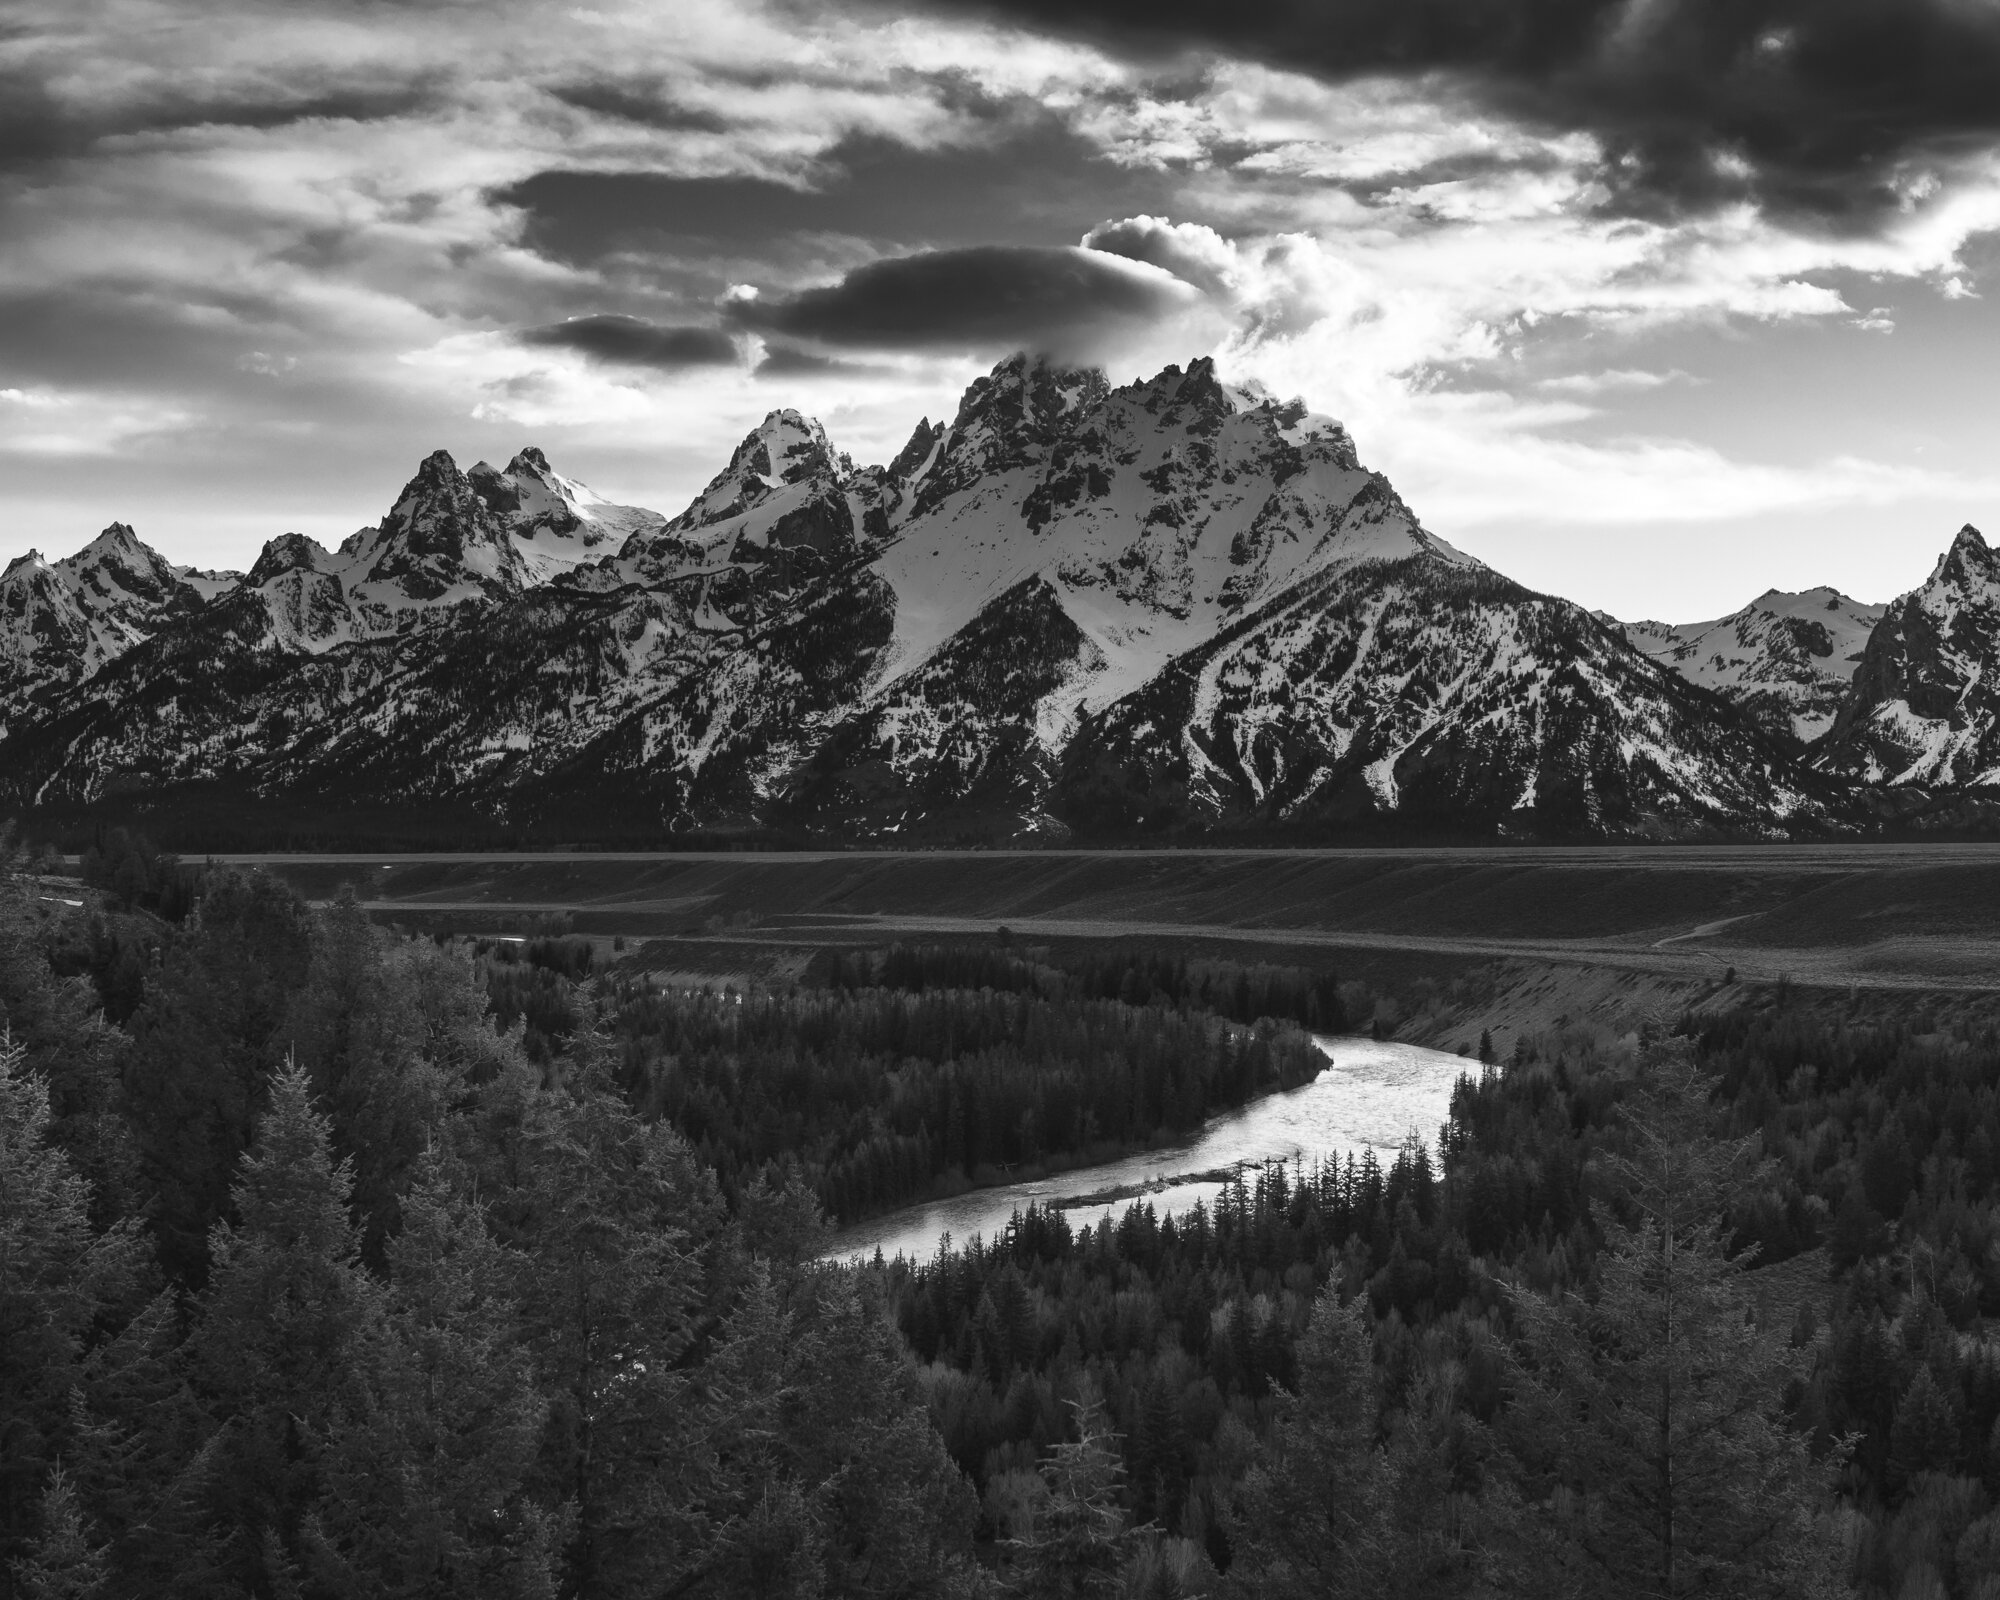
(58, 1025)
(65, 1564)
(286, 1307)
(773, 1552)
(783, 1223)
(1654, 1413)
(136, 1435)
(1314, 1508)
(898, 1515)
(376, 1024)
(1082, 1538)
(1865, 1389)
(428, 1452)
(204, 1041)
(613, 1215)
(1925, 1434)
(57, 1276)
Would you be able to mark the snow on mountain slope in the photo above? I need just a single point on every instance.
(1786, 659)
(1174, 604)
(1925, 703)
(440, 544)
(1197, 605)
(452, 537)
(688, 673)
(559, 696)
(1430, 690)
(554, 522)
(1155, 513)
(62, 621)
(969, 729)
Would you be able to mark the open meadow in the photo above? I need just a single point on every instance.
(1462, 940)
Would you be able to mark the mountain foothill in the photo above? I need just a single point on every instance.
(1177, 608)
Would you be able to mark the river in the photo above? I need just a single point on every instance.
(1371, 1095)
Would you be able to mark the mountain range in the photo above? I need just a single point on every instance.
(1176, 608)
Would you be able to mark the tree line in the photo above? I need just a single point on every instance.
(314, 1281)
(1239, 991)
(1320, 1385)
(878, 1096)
(311, 1284)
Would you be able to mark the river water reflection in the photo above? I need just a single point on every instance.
(1371, 1095)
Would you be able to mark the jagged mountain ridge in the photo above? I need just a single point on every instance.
(1786, 659)
(62, 621)
(1177, 604)
(1925, 705)
(1520, 708)
(451, 537)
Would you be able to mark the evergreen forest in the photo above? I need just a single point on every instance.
(336, 1262)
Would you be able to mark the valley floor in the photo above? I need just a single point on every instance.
(1461, 940)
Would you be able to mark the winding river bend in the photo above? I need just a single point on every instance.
(1371, 1095)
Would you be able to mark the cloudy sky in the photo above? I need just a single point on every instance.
(1654, 303)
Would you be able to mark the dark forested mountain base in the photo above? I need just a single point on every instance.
(342, 1264)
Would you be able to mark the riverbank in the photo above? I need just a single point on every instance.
(1371, 1095)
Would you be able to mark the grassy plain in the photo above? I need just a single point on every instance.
(1460, 939)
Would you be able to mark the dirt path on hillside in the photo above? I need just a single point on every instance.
(1968, 964)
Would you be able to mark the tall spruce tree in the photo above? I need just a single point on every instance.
(57, 1277)
(67, 1562)
(59, 1026)
(1081, 1537)
(204, 1041)
(136, 1453)
(1651, 1416)
(377, 1023)
(1314, 1514)
(279, 1327)
(898, 1515)
(427, 1454)
(615, 1216)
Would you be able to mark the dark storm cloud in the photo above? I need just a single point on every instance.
(787, 361)
(1047, 180)
(1822, 100)
(634, 342)
(36, 126)
(987, 295)
(649, 106)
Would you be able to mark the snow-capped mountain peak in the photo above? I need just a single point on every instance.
(785, 450)
(118, 563)
(1154, 512)
(1786, 658)
(1007, 418)
(915, 458)
(117, 539)
(68, 618)
(438, 512)
(1925, 708)
(290, 552)
(1180, 603)
(556, 523)
(1967, 562)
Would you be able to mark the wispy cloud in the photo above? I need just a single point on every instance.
(1614, 381)
(51, 423)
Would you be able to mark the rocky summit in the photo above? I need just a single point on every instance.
(1787, 659)
(1924, 707)
(1177, 608)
